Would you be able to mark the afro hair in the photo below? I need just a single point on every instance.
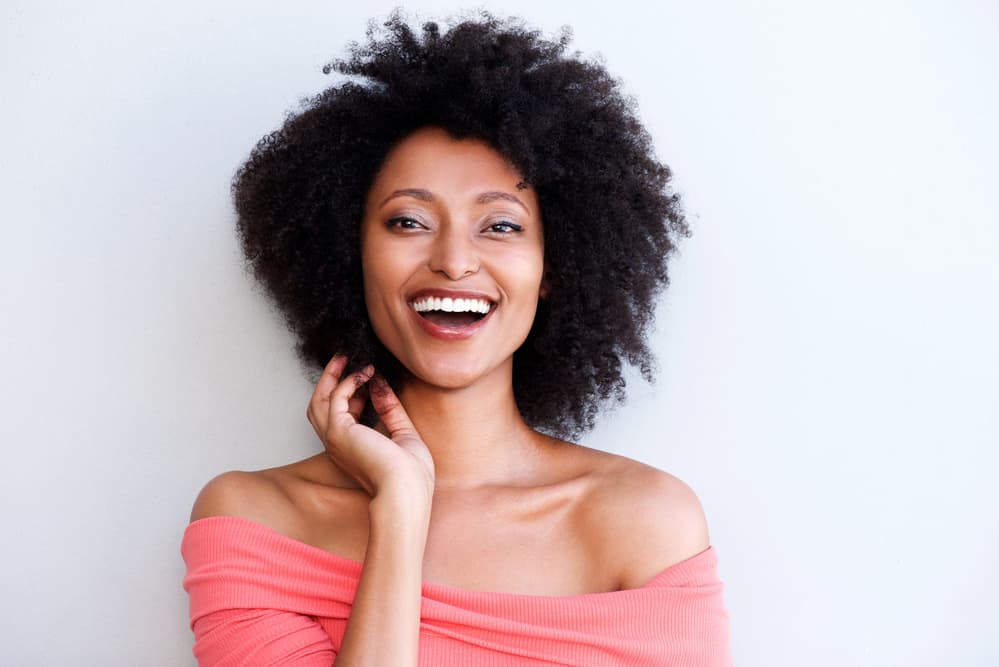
(611, 220)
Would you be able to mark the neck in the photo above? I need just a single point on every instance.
(476, 433)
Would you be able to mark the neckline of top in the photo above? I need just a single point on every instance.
(673, 571)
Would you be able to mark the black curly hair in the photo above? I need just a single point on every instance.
(610, 218)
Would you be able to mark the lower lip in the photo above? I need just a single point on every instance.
(451, 333)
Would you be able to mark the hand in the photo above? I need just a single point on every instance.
(378, 463)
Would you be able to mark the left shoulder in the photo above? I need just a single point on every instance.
(647, 518)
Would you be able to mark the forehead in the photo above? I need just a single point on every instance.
(455, 170)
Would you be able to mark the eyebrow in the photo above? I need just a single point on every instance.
(483, 198)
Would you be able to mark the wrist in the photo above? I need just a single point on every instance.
(412, 488)
(401, 505)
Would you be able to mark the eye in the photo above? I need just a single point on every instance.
(505, 227)
(404, 223)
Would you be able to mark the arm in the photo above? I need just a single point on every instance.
(398, 472)
(385, 618)
(235, 615)
(232, 637)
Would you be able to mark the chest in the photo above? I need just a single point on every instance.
(536, 544)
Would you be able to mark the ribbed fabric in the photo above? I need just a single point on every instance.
(261, 598)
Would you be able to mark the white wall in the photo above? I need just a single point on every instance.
(828, 346)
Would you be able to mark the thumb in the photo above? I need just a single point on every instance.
(389, 409)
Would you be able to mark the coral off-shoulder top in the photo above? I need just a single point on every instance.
(261, 598)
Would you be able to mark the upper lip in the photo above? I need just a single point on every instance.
(439, 293)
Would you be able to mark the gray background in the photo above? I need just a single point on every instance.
(827, 347)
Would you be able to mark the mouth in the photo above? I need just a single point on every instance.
(451, 318)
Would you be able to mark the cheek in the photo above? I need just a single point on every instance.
(376, 272)
(378, 289)
(383, 284)
(375, 284)
(525, 272)
(526, 267)
(376, 308)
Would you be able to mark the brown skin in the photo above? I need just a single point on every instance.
(453, 487)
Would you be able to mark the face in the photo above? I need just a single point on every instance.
(453, 258)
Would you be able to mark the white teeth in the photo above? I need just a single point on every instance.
(449, 305)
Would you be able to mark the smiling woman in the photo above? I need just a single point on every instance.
(461, 235)
(469, 275)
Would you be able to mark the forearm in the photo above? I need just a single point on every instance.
(384, 624)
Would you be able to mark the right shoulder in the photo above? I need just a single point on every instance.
(248, 495)
(310, 501)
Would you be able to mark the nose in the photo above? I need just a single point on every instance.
(453, 253)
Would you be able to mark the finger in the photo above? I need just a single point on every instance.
(389, 409)
(317, 407)
(339, 414)
(355, 405)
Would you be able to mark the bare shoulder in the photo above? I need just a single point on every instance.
(298, 500)
(252, 495)
(647, 518)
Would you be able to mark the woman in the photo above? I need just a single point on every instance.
(475, 234)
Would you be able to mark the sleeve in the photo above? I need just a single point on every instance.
(260, 637)
(258, 598)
